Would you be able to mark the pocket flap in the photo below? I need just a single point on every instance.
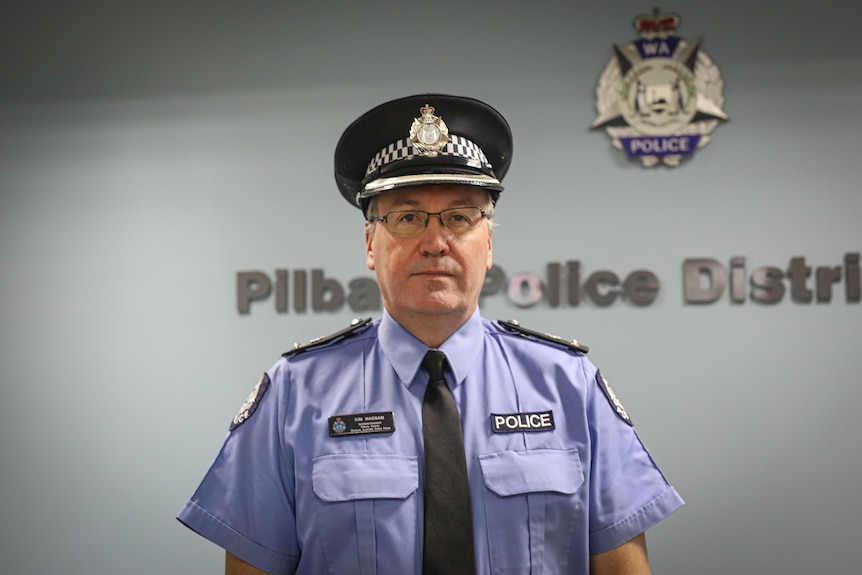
(515, 472)
(345, 477)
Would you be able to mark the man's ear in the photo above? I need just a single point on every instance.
(369, 252)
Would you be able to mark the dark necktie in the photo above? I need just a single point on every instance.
(448, 520)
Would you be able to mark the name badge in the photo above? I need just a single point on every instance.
(361, 423)
(512, 422)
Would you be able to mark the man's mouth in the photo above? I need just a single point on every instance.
(434, 273)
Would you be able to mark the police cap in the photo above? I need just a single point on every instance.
(423, 139)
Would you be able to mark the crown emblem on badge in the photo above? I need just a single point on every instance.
(428, 133)
(660, 97)
(656, 25)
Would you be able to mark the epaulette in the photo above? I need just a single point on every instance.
(355, 327)
(515, 325)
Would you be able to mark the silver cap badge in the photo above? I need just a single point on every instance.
(429, 133)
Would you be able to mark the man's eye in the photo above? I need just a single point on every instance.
(407, 218)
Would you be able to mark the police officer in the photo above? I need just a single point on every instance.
(431, 440)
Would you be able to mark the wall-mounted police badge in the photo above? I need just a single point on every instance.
(660, 97)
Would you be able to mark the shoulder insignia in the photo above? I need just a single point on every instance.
(515, 326)
(355, 327)
(248, 408)
(612, 398)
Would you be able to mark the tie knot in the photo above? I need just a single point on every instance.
(434, 361)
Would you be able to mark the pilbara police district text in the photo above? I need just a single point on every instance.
(704, 280)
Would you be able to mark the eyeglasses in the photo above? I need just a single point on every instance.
(407, 223)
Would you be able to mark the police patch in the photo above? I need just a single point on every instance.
(612, 398)
(512, 422)
(248, 408)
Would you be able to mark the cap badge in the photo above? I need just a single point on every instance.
(429, 133)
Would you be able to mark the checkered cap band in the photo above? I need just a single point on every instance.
(404, 150)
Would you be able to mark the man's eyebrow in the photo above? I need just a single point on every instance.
(406, 202)
(416, 204)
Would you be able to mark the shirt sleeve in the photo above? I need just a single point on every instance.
(245, 503)
(628, 492)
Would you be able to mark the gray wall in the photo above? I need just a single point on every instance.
(149, 153)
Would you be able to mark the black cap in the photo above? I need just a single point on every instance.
(423, 139)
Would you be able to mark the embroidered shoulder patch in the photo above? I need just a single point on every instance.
(612, 397)
(248, 408)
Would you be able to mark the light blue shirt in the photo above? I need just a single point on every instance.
(556, 472)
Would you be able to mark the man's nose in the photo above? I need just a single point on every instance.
(438, 218)
(435, 236)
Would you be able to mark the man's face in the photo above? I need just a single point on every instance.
(435, 272)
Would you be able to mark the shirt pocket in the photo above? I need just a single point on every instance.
(366, 507)
(532, 508)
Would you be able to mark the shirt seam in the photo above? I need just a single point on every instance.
(633, 516)
(286, 557)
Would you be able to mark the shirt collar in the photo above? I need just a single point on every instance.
(405, 352)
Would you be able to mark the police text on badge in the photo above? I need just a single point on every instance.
(512, 422)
